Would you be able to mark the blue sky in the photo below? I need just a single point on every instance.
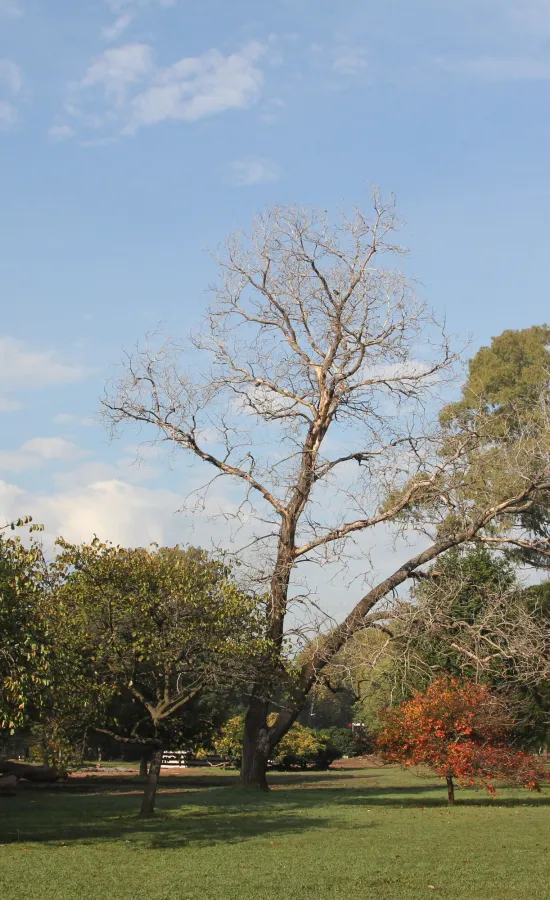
(136, 133)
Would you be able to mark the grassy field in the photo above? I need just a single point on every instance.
(354, 834)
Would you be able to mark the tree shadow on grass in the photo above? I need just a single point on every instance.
(219, 814)
(414, 797)
(203, 827)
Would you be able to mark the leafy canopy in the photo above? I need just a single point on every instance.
(163, 624)
(25, 640)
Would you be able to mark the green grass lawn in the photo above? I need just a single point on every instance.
(370, 833)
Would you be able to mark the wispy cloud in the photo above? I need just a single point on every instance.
(118, 6)
(126, 11)
(7, 404)
(253, 170)
(124, 89)
(349, 60)
(61, 132)
(22, 368)
(500, 68)
(72, 419)
(117, 70)
(11, 82)
(52, 448)
(34, 453)
(118, 27)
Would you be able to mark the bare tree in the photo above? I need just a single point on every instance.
(505, 639)
(312, 385)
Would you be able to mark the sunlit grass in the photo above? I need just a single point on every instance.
(347, 834)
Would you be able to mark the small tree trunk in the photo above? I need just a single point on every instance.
(144, 764)
(150, 792)
(256, 748)
(450, 790)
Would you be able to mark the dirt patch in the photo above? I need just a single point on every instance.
(372, 761)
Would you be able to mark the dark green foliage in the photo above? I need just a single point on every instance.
(325, 708)
(339, 740)
(506, 378)
(25, 639)
(164, 625)
(507, 381)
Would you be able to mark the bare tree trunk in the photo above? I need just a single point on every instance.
(450, 790)
(256, 746)
(149, 794)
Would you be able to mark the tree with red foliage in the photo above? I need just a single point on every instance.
(458, 729)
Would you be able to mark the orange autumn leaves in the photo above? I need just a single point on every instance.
(461, 730)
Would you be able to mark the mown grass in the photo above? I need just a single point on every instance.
(374, 833)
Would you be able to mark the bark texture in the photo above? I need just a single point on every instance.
(150, 792)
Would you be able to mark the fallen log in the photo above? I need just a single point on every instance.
(46, 774)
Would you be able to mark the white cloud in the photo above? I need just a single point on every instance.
(253, 170)
(24, 368)
(15, 461)
(10, 9)
(35, 452)
(126, 470)
(61, 132)
(52, 448)
(501, 68)
(117, 69)
(136, 515)
(349, 60)
(125, 90)
(112, 509)
(71, 419)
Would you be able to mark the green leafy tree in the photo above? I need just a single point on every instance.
(25, 640)
(165, 624)
(507, 381)
(506, 378)
(75, 699)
